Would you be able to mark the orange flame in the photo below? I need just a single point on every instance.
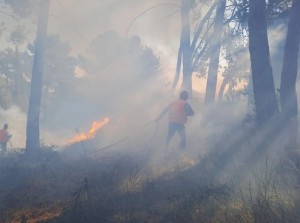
(96, 125)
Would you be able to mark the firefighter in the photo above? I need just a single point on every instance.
(178, 111)
(4, 138)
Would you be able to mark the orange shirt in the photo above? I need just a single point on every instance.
(4, 136)
(177, 112)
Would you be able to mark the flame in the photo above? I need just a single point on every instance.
(96, 125)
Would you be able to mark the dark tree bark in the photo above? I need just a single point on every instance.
(222, 89)
(288, 94)
(33, 116)
(215, 47)
(262, 75)
(178, 66)
(186, 46)
(185, 34)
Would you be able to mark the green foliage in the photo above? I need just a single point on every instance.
(5, 94)
(13, 66)
(23, 8)
(17, 36)
(278, 9)
(59, 65)
(109, 52)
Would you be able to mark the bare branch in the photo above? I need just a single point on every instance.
(147, 10)
(199, 55)
(202, 23)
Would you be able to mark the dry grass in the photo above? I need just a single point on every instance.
(124, 189)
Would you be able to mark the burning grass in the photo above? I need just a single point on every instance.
(90, 134)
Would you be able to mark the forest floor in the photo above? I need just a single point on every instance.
(234, 182)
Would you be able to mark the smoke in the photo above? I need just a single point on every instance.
(78, 23)
(16, 121)
(116, 91)
(111, 84)
(277, 36)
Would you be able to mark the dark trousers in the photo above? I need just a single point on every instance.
(3, 147)
(173, 128)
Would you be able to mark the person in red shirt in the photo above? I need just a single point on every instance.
(4, 138)
(178, 111)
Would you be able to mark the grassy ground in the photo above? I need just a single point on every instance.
(62, 187)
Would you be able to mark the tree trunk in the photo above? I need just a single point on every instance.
(222, 89)
(178, 66)
(215, 47)
(262, 76)
(186, 47)
(185, 43)
(288, 94)
(33, 116)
